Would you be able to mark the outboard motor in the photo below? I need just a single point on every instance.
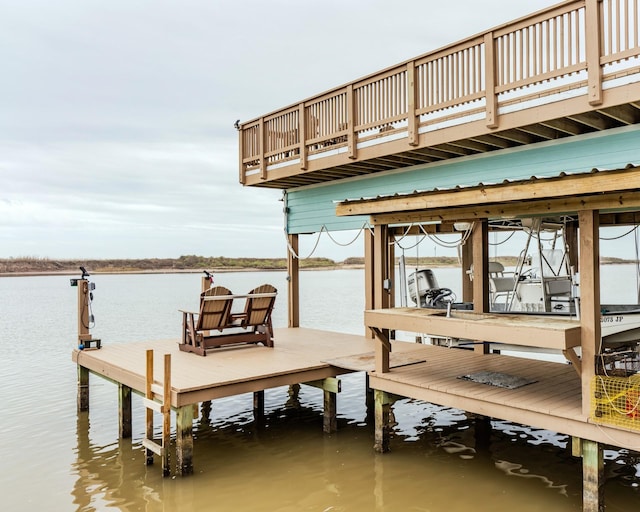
(425, 291)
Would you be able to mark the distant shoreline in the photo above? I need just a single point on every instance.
(33, 267)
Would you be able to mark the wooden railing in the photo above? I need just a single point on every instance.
(565, 47)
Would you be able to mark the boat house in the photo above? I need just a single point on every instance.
(534, 119)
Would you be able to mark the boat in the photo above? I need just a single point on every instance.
(543, 282)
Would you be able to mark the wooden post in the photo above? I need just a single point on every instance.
(593, 49)
(330, 418)
(184, 439)
(258, 405)
(352, 142)
(83, 389)
(369, 252)
(242, 175)
(412, 117)
(391, 273)
(592, 477)
(151, 403)
(302, 136)
(571, 239)
(467, 260)
(589, 300)
(293, 282)
(480, 236)
(124, 411)
(490, 82)
(263, 149)
(382, 426)
(149, 412)
(380, 266)
(166, 416)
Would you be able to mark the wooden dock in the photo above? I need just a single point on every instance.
(300, 356)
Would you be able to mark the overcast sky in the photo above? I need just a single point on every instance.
(116, 117)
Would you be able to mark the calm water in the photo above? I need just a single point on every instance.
(56, 460)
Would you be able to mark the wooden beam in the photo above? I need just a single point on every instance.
(83, 389)
(330, 412)
(491, 97)
(382, 423)
(352, 142)
(593, 29)
(480, 255)
(293, 282)
(382, 350)
(564, 187)
(369, 252)
(302, 136)
(184, 440)
(124, 411)
(258, 405)
(412, 116)
(612, 201)
(380, 266)
(467, 260)
(593, 478)
(589, 300)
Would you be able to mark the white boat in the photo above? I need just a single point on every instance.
(542, 282)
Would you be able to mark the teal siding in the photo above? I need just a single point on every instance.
(313, 207)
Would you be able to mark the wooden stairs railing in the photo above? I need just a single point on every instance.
(158, 399)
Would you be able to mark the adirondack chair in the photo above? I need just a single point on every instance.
(257, 314)
(214, 314)
(253, 325)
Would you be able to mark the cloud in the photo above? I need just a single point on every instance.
(116, 133)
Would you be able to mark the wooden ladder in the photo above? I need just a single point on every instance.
(158, 399)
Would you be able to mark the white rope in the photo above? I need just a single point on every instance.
(317, 242)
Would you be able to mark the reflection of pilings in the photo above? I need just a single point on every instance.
(378, 491)
(294, 397)
(205, 412)
(483, 435)
(81, 498)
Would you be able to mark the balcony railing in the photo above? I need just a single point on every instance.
(577, 48)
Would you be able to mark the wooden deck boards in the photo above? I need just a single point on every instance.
(424, 372)
(227, 371)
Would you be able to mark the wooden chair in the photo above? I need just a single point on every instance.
(257, 313)
(213, 315)
(253, 325)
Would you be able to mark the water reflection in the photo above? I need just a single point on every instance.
(442, 459)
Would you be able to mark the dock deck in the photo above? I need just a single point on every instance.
(551, 399)
(297, 357)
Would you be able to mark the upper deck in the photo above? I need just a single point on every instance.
(567, 70)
